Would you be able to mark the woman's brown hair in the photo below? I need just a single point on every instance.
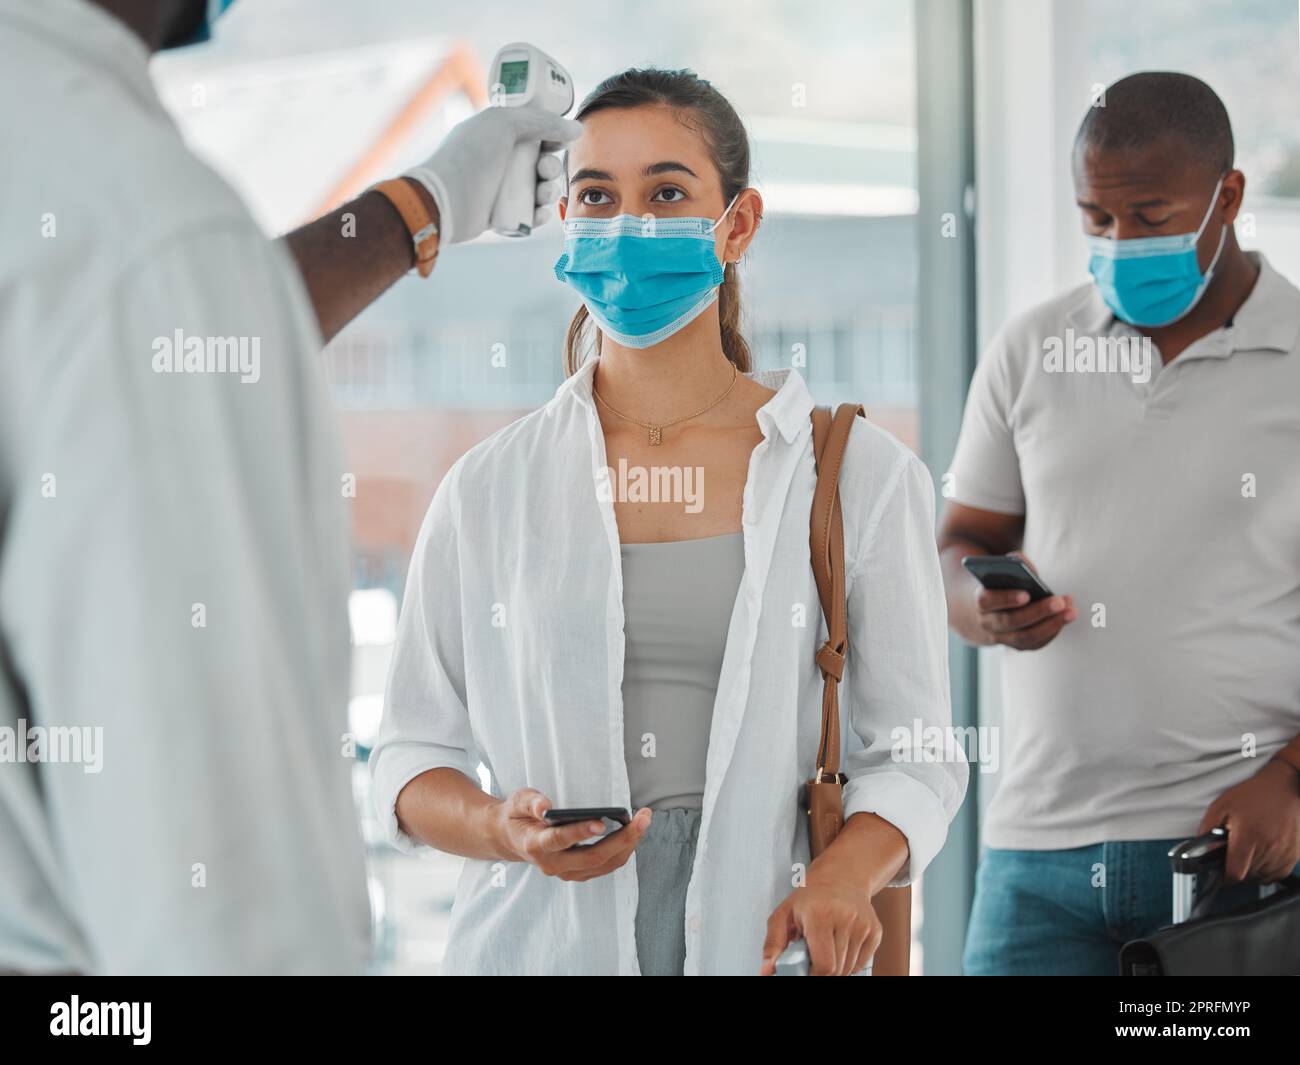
(717, 122)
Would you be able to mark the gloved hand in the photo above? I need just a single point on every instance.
(464, 175)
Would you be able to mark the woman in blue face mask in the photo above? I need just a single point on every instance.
(612, 603)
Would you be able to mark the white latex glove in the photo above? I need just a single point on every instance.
(464, 175)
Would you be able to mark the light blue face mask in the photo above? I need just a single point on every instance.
(1153, 281)
(213, 11)
(642, 278)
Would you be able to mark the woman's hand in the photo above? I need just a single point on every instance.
(524, 836)
(836, 920)
(833, 910)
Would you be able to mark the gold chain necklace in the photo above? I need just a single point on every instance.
(656, 430)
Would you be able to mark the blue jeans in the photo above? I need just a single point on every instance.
(1068, 912)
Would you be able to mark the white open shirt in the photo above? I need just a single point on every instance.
(510, 653)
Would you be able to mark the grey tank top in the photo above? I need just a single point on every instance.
(677, 604)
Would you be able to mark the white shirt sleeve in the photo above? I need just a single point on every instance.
(426, 720)
(985, 470)
(182, 590)
(897, 671)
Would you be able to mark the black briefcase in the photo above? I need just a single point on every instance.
(1261, 938)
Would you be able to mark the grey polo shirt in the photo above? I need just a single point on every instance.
(1170, 510)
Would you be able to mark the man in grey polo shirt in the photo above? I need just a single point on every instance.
(1139, 439)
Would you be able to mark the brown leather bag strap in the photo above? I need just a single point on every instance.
(830, 439)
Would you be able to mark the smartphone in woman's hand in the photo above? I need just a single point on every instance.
(573, 814)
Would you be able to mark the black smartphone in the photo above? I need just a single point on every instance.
(1004, 573)
(574, 814)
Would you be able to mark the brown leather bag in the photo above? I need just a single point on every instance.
(824, 792)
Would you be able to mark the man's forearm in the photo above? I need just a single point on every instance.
(1290, 756)
(350, 257)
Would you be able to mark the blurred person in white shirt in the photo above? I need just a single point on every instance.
(173, 533)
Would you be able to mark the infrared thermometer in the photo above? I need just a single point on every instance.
(522, 75)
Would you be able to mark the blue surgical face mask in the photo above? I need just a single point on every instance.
(1153, 281)
(212, 11)
(642, 279)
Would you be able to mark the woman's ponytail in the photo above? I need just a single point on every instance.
(734, 345)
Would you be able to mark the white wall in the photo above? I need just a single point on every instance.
(1273, 227)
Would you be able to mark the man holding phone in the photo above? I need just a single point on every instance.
(1160, 696)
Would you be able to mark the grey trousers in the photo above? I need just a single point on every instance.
(663, 869)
